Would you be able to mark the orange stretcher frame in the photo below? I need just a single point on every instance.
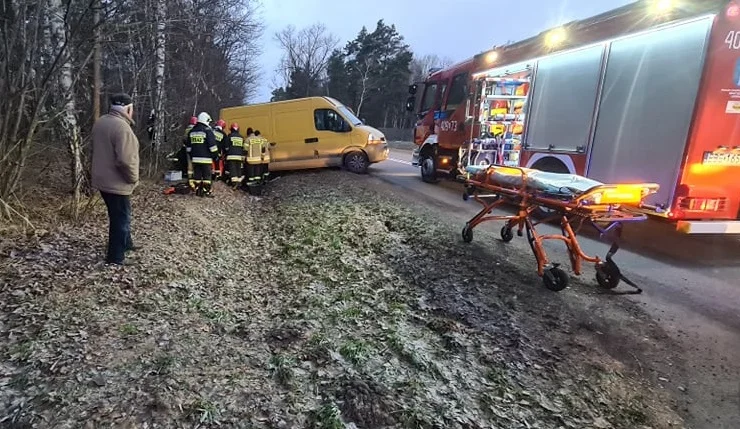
(606, 204)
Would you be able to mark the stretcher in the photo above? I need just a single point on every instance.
(571, 200)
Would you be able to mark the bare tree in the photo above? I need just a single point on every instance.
(306, 53)
(159, 68)
(422, 65)
(51, 49)
(68, 120)
(364, 69)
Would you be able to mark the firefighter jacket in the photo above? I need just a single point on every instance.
(220, 141)
(186, 136)
(265, 150)
(235, 147)
(201, 145)
(253, 149)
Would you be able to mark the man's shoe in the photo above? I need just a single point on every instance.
(133, 248)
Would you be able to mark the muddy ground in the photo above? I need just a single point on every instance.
(330, 302)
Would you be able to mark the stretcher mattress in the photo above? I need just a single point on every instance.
(555, 184)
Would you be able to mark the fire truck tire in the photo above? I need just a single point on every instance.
(428, 168)
(550, 165)
(356, 162)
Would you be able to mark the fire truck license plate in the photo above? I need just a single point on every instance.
(711, 158)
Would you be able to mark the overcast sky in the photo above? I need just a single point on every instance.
(457, 29)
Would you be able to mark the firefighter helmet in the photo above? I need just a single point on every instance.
(193, 120)
(204, 118)
(220, 124)
(235, 126)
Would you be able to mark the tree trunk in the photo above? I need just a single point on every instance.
(68, 118)
(98, 59)
(159, 96)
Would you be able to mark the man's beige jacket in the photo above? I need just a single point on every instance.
(115, 155)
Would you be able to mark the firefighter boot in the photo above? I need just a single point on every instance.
(208, 190)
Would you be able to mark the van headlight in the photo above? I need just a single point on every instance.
(373, 139)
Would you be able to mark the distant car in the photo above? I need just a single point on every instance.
(312, 132)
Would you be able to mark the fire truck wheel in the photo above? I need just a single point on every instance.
(550, 165)
(356, 162)
(555, 279)
(428, 169)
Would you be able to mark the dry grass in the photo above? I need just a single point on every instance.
(324, 303)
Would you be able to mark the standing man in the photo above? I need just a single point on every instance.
(203, 151)
(235, 155)
(115, 172)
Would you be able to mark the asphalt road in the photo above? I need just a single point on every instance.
(691, 284)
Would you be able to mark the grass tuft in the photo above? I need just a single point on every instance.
(281, 367)
(354, 351)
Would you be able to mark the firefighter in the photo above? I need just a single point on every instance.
(264, 170)
(253, 161)
(203, 151)
(185, 163)
(235, 155)
(218, 133)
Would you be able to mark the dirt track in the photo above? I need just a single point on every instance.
(330, 301)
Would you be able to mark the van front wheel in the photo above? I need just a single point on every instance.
(356, 162)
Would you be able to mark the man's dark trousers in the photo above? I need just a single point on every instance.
(119, 226)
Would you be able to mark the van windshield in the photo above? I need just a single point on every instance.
(349, 115)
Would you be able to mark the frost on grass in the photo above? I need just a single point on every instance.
(329, 303)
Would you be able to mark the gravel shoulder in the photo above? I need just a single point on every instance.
(333, 301)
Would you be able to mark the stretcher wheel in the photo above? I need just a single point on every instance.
(555, 279)
(507, 234)
(608, 276)
(469, 190)
(467, 234)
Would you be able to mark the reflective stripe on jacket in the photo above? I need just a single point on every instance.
(201, 145)
(254, 150)
(235, 150)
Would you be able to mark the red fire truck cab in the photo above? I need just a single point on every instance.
(649, 92)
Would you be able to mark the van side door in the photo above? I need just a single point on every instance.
(333, 135)
(288, 144)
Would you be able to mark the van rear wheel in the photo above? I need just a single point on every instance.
(356, 162)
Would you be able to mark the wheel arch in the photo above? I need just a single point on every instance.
(349, 149)
(552, 163)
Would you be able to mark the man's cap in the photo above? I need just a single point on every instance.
(121, 100)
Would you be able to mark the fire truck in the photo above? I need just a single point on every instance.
(649, 92)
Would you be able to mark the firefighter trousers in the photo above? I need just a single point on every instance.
(235, 171)
(202, 178)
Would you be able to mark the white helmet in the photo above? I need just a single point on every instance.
(204, 118)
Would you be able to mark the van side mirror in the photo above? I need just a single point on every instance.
(410, 103)
(413, 88)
